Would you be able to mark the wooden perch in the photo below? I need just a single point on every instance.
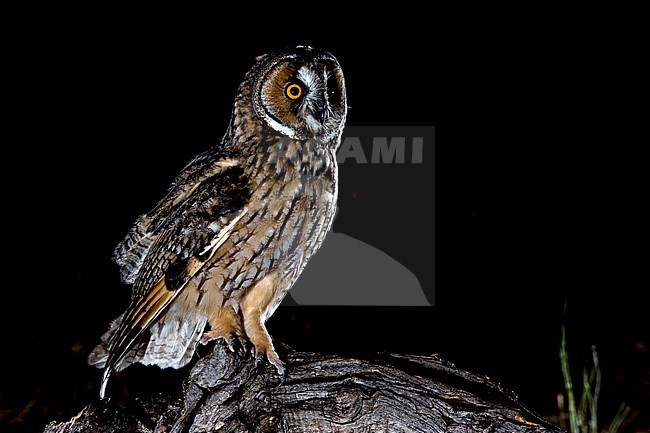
(225, 392)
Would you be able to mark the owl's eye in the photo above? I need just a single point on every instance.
(293, 91)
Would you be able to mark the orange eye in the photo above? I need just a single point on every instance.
(293, 91)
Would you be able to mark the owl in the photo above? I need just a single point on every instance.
(216, 256)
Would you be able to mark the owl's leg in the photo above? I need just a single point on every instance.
(261, 340)
(225, 323)
(254, 308)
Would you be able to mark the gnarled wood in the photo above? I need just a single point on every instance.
(225, 392)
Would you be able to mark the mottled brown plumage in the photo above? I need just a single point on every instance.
(239, 222)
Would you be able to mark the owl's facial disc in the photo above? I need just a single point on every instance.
(303, 95)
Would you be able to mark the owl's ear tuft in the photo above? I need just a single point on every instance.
(261, 57)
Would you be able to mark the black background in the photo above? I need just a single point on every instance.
(538, 198)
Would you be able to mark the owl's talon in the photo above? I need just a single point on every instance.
(208, 337)
(279, 366)
(235, 342)
(283, 376)
(243, 347)
(273, 359)
(239, 346)
(230, 343)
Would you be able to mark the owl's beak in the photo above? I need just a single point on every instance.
(317, 111)
(320, 115)
(321, 110)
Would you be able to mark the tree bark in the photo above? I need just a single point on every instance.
(226, 392)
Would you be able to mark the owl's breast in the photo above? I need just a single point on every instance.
(293, 211)
(285, 223)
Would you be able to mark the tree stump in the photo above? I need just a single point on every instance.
(225, 392)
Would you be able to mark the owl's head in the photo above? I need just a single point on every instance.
(300, 93)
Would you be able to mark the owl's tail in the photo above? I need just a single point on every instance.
(170, 342)
(173, 339)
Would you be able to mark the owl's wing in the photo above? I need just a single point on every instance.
(185, 231)
(130, 254)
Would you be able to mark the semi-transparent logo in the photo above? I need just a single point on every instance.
(381, 249)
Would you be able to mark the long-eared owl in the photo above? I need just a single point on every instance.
(217, 255)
